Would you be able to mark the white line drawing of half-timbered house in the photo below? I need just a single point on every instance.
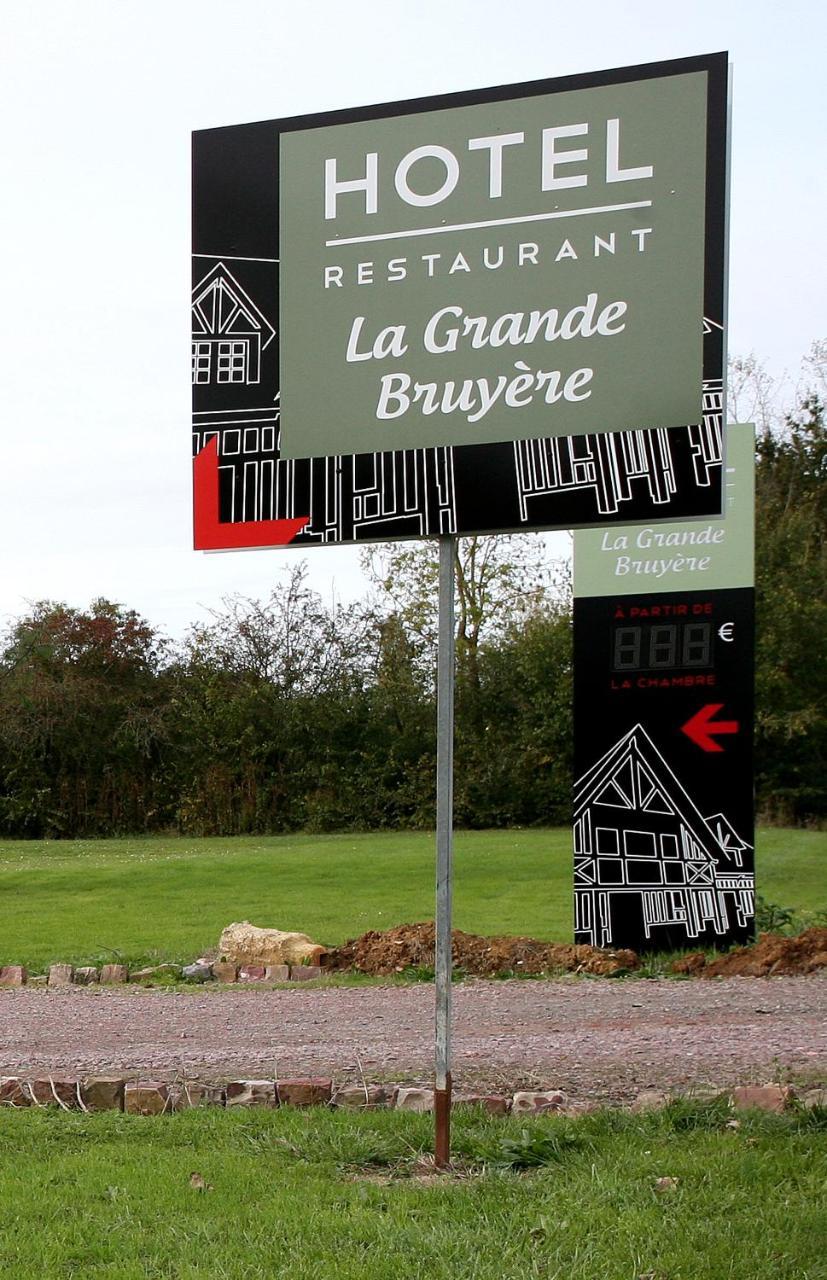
(229, 332)
(643, 851)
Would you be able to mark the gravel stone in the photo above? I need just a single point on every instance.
(609, 1039)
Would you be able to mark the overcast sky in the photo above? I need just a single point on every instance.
(97, 102)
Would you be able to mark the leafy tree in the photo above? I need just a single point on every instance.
(513, 651)
(514, 758)
(791, 610)
(83, 722)
(268, 698)
(498, 580)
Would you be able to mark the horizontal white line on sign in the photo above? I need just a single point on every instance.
(494, 222)
(233, 257)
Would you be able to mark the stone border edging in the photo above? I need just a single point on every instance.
(159, 1097)
(201, 971)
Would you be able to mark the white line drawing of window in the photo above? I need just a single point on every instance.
(610, 871)
(607, 840)
(232, 362)
(639, 844)
(201, 361)
(643, 872)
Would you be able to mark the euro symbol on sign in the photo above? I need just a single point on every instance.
(725, 631)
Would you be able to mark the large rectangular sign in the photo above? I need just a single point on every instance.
(427, 317)
(663, 713)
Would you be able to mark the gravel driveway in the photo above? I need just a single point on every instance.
(592, 1038)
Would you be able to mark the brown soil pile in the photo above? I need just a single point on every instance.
(773, 954)
(411, 946)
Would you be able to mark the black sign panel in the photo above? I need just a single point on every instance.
(663, 816)
(248, 495)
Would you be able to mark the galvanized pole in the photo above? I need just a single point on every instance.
(444, 851)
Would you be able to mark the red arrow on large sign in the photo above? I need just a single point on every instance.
(701, 727)
(210, 534)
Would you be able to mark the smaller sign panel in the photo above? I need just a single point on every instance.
(705, 555)
(663, 709)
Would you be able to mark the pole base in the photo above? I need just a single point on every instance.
(442, 1125)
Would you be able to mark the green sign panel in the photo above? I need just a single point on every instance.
(503, 270)
(690, 556)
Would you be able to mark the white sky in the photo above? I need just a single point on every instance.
(97, 102)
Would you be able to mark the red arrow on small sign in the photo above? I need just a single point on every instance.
(701, 727)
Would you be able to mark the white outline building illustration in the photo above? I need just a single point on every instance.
(638, 832)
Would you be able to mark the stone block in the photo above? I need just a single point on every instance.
(587, 1108)
(198, 972)
(86, 975)
(252, 973)
(183, 1097)
(277, 972)
(38, 980)
(527, 1103)
(48, 1092)
(251, 1093)
(304, 972)
(146, 1097)
(763, 1097)
(702, 1093)
(13, 975)
(157, 973)
(112, 974)
(60, 975)
(246, 943)
(13, 1092)
(364, 1097)
(307, 1092)
(224, 971)
(494, 1103)
(650, 1100)
(103, 1093)
(414, 1099)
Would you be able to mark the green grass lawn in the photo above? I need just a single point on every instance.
(330, 1194)
(167, 899)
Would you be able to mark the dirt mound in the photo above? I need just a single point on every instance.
(772, 954)
(411, 946)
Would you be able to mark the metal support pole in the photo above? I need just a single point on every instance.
(444, 851)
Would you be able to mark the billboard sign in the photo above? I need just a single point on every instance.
(426, 317)
(663, 713)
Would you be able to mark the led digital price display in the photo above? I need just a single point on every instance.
(662, 647)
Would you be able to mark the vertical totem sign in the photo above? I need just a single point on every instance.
(663, 703)
(490, 311)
